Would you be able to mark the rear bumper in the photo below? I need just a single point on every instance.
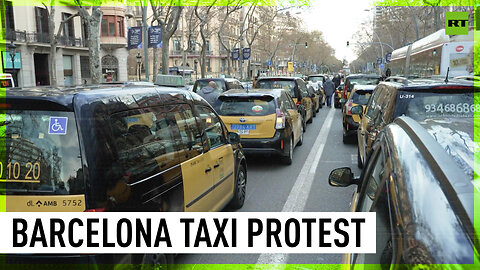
(350, 126)
(265, 145)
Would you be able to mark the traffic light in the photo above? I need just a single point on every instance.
(348, 43)
(306, 45)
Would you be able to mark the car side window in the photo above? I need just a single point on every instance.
(372, 105)
(373, 198)
(212, 126)
(302, 87)
(290, 100)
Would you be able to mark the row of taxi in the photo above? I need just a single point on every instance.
(416, 147)
(272, 117)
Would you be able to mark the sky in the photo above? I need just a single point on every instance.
(338, 20)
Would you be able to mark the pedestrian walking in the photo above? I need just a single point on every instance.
(329, 88)
(209, 93)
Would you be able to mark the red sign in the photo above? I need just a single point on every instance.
(459, 48)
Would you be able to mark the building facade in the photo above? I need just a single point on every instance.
(27, 28)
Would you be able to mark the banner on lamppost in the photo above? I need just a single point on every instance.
(236, 54)
(246, 53)
(134, 38)
(290, 66)
(155, 36)
(388, 57)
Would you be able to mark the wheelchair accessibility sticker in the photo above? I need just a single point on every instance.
(58, 125)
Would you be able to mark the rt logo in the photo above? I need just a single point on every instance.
(456, 23)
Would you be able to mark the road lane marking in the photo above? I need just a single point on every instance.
(298, 196)
(354, 159)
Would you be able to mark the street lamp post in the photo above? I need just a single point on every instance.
(139, 63)
(195, 63)
(12, 50)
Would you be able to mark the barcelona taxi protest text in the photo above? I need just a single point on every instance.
(188, 232)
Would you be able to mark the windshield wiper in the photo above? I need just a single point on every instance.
(235, 114)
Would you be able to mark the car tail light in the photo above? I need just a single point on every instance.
(280, 123)
(299, 102)
(349, 107)
(345, 91)
(96, 210)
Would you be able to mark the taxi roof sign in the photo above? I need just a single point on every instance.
(169, 80)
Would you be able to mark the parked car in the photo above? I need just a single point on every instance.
(297, 89)
(223, 84)
(361, 79)
(357, 98)
(419, 182)
(124, 148)
(418, 100)
(266, 119)
(338, 96)
(315, 100)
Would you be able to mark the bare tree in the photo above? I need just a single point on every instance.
(92, 22)
(167, 17)
(204, 15)
(52, 66)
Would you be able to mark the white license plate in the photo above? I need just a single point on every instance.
(243, 132)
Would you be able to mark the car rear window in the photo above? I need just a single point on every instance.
(41, 153)
(315, 79)
(452, 103)
(288, 85)
(221, 87)
(245, 106)
(361, 97)
(364, 81)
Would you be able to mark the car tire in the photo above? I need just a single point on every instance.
(345, 139)
(310, 120)
(287, 160)
(240, 189)
(314, 113)
(359, 160)
(304, 124)
(300, 142)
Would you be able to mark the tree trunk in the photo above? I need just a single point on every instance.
(52, 65)
(93, 43)
(165, 54)
(202, 60)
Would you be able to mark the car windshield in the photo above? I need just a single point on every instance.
(364, 81)
(361, 97)
(41, 154)
(245, 106)
(445, 104)
(288, 85)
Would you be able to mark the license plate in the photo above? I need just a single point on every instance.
(243, 132)
(243, 127)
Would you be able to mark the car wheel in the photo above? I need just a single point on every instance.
(300, 142)
(240, 189)
(314, 113)
(310, 120)
(304, 124)
(345, 138)
(287, 160)
(359, 159)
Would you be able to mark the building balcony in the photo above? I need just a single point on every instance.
(44, 38)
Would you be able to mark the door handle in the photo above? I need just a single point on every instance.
(208, 170)
(216, 166)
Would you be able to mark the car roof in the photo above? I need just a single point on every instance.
(454, 182)
(218, 79)
(63, 97)
(418, 85)
(253, 92)
(278, 78)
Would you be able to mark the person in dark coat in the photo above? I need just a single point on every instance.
(209, 93)
(329, 88)
(336, 80)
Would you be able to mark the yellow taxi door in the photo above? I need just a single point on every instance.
(295, 115)
(219, 158)
(197, 184)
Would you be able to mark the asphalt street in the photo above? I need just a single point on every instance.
(302, 186)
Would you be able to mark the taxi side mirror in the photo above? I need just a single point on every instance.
(343, 101)
(233, 138)
(342, 177)
(358, 110)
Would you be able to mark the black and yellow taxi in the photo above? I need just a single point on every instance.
(266, 119)
(315, 97)
(421, 184)
(417, 99)
(296, 87)
(358, 96)
(124, 148)
(359, 79)
(338, 96)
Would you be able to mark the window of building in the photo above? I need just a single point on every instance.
(41, 19)
(176, 45)
(9, 23)
(85, 67)
(68, 28)
(112, 26)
